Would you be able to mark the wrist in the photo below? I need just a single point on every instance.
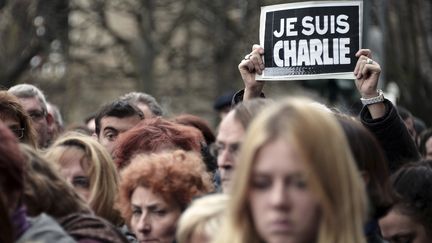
(370, 94)
(250, 93)
(257, 88)
(370, 99)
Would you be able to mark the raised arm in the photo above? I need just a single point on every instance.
(367, 74)
(380, 116)
(252, 64)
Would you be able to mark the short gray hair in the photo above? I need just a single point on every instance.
(140, 97)
(29, 91)
(56, 114)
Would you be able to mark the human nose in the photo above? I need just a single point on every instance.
(225, 158)
(144, 224)
(278, 197)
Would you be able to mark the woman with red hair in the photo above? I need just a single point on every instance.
(156, 188)
(156, 135)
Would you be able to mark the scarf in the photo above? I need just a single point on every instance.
(20, 222)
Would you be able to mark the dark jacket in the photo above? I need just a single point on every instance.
(389, 130)
(91, 228)
(392, 135)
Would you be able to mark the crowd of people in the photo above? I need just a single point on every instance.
(290, 170)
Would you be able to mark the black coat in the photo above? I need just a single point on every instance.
(392, 135)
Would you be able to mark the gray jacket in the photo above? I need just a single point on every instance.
(45, 229)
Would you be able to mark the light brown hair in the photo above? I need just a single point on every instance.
(101, 171)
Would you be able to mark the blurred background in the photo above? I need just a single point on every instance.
(84, 53)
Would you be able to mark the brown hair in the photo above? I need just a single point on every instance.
(156, 134)
(369, 158)
(11, 107)
(6, 228)
(11, 166)
(198, 123)
(176, 176)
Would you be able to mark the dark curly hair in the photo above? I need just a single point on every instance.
(176, 176)
(413, 184)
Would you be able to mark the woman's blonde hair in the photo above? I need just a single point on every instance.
(332, 174)
(102, 173)
(203, 216)
(45, 191)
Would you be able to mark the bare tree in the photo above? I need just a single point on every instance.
(27, 29)
(185, 52)
(409, 53)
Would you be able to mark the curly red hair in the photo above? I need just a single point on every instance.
(176, 176)
(153, 135)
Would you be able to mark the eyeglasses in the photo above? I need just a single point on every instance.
(19, 132)
(37, 115)
(217, 148)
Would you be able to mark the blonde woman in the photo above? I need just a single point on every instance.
(296, 181)
(200, 222)
(88, 167)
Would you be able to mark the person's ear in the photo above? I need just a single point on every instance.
(365, 176)
(49, 118)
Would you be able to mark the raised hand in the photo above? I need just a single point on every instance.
(367, 74)
(252, 64)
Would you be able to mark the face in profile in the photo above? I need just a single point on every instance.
(153, 218)
(227, 144)
(397, 227)
(72, 164)
(283, 208)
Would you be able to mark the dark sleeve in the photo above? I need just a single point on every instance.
(91, 228)
(238, 97)
(393, 136)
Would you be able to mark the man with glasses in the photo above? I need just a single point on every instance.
(230, 136)
(34, 102)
